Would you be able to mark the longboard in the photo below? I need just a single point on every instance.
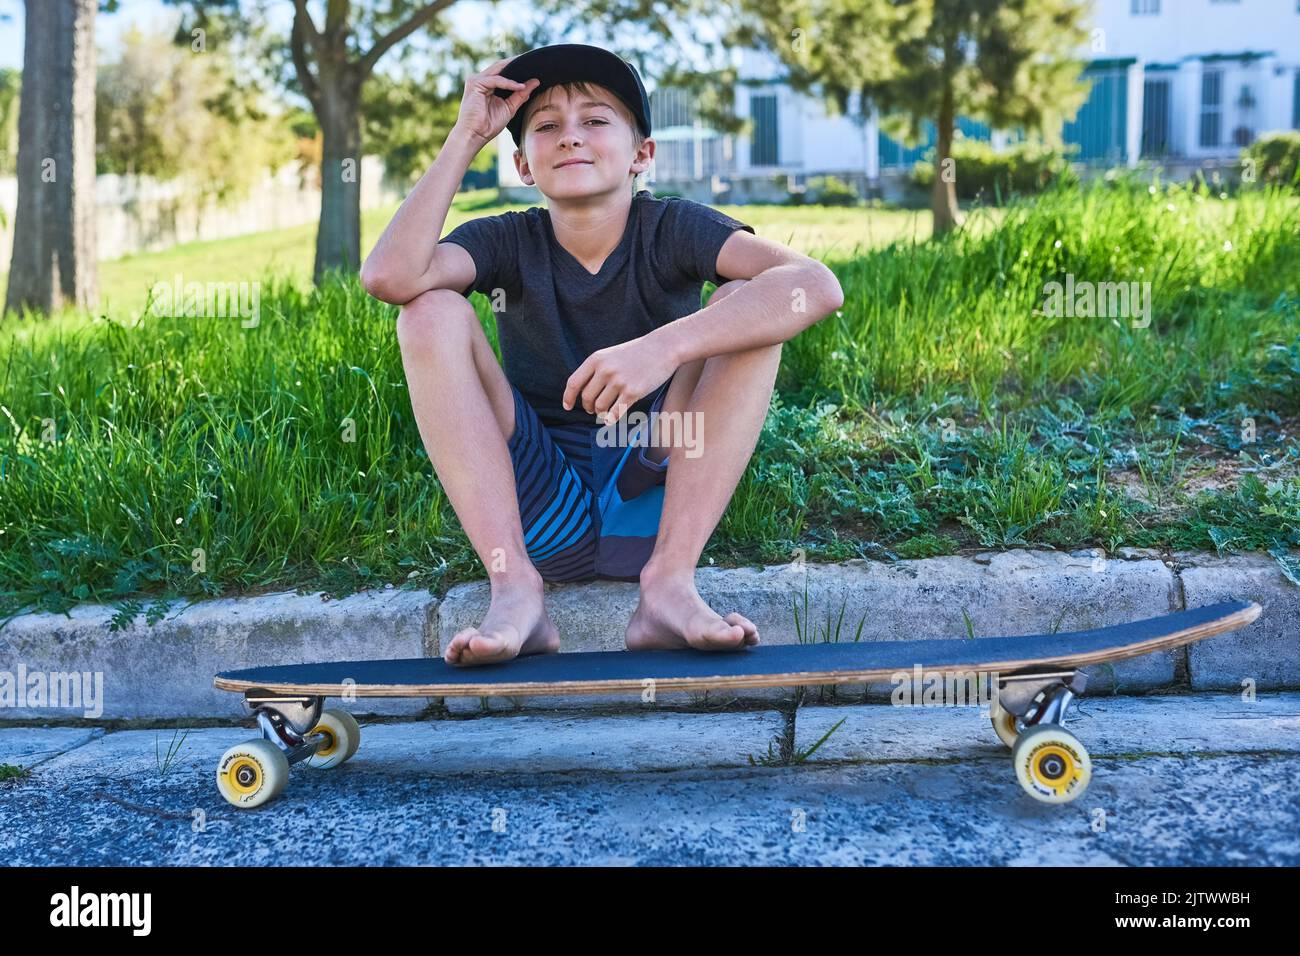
(1034, 678)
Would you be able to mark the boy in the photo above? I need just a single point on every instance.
(597, 305)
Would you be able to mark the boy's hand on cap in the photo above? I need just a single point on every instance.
(483, 114)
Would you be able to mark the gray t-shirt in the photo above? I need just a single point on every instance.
(556, 313)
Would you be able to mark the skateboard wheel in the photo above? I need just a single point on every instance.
(344, 737)
(252, 773)
(1051, 764)
(1004, 723)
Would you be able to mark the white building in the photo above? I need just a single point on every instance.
(1174, 81)
(1190, 79)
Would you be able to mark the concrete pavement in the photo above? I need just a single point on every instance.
(1181, 779)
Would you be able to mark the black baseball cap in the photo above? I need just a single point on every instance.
(570, 62)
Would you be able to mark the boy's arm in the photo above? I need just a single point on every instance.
(407, 259)
(787, 292)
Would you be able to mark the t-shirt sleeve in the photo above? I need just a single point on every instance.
(695, 235)
(492, 243)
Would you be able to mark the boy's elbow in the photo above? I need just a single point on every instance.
(831, 293)
(369, 276)
(837, 295)
(377, 284)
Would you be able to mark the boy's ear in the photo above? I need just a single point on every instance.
(520, 161)
(648, 147)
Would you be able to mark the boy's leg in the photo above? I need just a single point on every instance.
(730, 394)
(464, 408)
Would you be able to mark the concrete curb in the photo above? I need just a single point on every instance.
(166, 670)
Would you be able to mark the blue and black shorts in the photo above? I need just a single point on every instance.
(588, 510)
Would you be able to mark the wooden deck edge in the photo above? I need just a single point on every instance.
(1232, 622)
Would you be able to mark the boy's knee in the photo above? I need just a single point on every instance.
(434, 316)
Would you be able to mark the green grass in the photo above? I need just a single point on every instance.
(144, 458)
(288, 253)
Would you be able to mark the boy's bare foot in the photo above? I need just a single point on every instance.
(516, 624)
(671, 614)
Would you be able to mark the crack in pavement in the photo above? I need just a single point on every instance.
(140, 808)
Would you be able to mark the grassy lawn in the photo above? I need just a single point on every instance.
(941, 410)
(124, 283)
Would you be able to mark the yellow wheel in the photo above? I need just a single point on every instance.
(1004, 723)
(1051, 764)
(343, 737)
(252, 773)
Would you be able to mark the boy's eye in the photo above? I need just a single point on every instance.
(594, 119)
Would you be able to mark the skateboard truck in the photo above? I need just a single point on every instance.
(287, 721)
(1028, 715)
(1042, 698)
(295, 727)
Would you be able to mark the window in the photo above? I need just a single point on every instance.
(1155, 117)
(1211, 107)
(1244, 133)
(1098, 128)
(763, 145)
(671, 106)
(1148, 8)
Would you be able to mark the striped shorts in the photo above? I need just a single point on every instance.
(588, 511)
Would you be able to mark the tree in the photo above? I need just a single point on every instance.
(1010, 63)
(334, 91)
(53, 261)
(163, 111)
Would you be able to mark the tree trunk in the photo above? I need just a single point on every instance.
(54, 252)
(338, 240)
(943, 198)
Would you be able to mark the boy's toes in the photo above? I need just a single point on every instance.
(723, 634)
(471, 646)
(452, 654)
(488, 647)
(750, 629)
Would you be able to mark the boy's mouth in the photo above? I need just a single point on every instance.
(574, 162)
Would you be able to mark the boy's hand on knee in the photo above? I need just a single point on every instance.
(613, 379)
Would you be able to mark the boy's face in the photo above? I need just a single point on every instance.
(596, 130)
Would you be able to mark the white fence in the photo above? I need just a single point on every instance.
(141, 214)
